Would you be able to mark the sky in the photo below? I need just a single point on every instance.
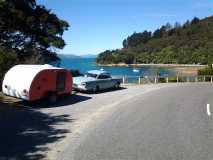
(98, 25)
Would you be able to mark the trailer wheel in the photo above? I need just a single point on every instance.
(52, 98)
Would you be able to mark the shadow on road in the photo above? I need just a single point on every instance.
(24, 132)
(73, 99)
(62, 101)
(106, 90)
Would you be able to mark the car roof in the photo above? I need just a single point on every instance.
(97, 72)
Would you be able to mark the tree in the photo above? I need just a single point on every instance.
(168, 27)
(195, 20)
(136, 39)
(177, 25)
(125, 43)
(30, 29)
(7, 59)
(186, 24)
(157, 34)
(146, 36)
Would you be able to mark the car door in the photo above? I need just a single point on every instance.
(105, 81)
(109, 81)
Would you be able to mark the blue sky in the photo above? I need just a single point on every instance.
(97, 25)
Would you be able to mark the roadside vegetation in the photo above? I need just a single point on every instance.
(189, 43)
(206, 71)
(75, 73)
(29, 33)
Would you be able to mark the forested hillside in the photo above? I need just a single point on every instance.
(189, 43)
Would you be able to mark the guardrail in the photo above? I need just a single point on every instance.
(165, 79)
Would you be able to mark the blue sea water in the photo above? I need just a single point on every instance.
(86, 64)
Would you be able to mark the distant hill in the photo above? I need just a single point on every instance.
(190, 43)
(75, 56)
(89, 56)
(68, 56)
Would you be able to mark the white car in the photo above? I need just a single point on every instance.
(95, 81)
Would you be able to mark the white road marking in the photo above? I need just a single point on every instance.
(208, 110)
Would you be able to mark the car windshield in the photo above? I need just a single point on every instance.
(91, 75)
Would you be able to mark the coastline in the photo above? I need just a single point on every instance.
(154, 65)
(180, 69)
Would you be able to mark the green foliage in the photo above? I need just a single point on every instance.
(30, 29)
(161, 80)
(75, 73)
(136, 39)
(206, 71)
(172, 79)
(191, 43)
(7, 59)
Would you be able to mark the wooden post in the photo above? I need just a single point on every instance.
(167, 79)
(155, 79)
(123, 79)
(211, 79)
(187, 79)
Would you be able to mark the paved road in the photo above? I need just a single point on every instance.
(45, 131)
(167, 124)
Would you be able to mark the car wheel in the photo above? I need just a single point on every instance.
(117, 85)
(52, 98)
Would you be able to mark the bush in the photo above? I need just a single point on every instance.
(206, 71)
(172, 79)
(161, 80)
(75, 73)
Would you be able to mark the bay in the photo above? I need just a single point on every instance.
(86, 64)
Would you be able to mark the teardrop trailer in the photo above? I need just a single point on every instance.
(36, 82)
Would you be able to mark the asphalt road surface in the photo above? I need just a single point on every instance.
(168, 124)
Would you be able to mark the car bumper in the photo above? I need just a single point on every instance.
(79, 87)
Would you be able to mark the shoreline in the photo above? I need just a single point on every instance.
(180, 69)
(154, 65)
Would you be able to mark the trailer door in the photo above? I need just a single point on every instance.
(60, 81)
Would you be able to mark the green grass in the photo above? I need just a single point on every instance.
(172, 79)
(161, 80)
